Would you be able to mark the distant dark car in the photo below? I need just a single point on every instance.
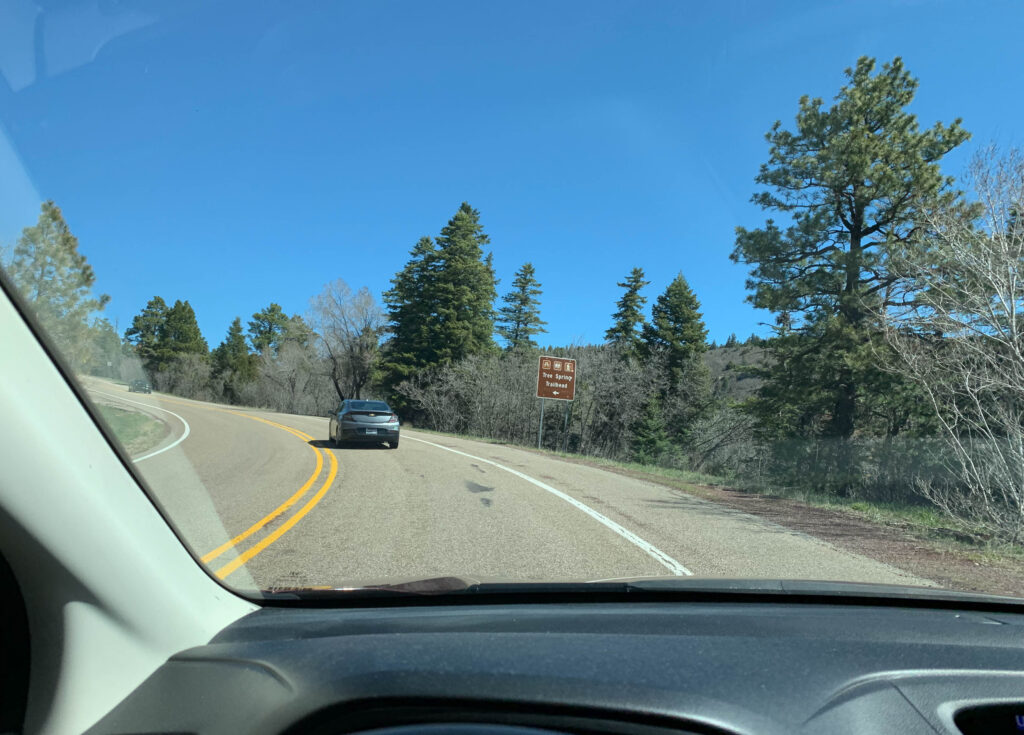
(370, 422)
(139, 386)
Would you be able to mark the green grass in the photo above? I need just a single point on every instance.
(683, 477)
(930, 523)
(918, 515)
(136, 431)
(927, 524)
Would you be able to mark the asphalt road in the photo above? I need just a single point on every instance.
(266, 501)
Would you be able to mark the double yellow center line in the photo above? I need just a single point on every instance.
(281, 530)
(280, 510)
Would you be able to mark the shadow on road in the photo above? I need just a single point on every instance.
(328, 444)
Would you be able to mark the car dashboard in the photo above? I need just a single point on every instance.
(640, 668)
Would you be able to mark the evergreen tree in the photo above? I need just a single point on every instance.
(520, 318)
(105, 356)
(677, 332)
(441, 305)
(677, 326)
(629, 319)
(179, 335)
(57, 280)
(732, 340)
(851, 177)
(650, 440)
(413, 322)
(464, 288)
(233, 361)
(267, 328)
(144, 333)
(297, 332)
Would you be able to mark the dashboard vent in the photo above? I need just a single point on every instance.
(991, 720)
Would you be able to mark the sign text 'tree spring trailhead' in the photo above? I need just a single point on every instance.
(556, 378)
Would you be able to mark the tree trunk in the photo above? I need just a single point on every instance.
(845, 407)
(337, 387)
(842, 423)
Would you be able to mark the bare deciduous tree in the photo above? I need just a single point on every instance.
(960, 335)
(493, 396)
(349, 325)
(187, 375)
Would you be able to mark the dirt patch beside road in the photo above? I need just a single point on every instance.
(950, 568)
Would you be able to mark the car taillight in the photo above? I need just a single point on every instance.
(345, 417)
(394, 417)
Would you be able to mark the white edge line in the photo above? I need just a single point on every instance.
(172, 445)
(673, 566)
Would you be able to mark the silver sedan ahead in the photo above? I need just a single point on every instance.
(369, 422)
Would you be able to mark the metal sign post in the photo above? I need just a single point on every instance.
(540, 431)
(565, 427)
(556, 379)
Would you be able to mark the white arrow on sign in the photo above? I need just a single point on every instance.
(554, 392)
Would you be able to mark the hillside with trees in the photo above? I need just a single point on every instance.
(892, 372)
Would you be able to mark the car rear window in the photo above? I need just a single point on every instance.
(369, 406)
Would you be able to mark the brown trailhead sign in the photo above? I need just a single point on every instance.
(556, 378)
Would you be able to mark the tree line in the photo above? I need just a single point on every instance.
(893, 370)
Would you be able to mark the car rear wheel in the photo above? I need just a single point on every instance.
(393, 444)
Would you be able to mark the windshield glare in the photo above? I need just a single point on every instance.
(653, 290)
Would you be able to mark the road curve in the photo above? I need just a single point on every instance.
(267, 502)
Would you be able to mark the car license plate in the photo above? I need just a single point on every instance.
(371, 431)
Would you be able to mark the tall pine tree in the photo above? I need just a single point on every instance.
(677, 326)
(520, 318)
(677, 332)
(413, 323)
(441, 305)
(851, 178)
(179, 335)
(464, 288)
(625, 332)
(268, 328)
(144, 333)
(57, 280)
(233, 362)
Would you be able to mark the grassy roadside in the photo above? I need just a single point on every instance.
(929, 525)
(926, 525)
(136, 431)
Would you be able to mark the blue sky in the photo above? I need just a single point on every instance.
(235, 154)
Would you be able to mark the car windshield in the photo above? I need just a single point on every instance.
(631, 290)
